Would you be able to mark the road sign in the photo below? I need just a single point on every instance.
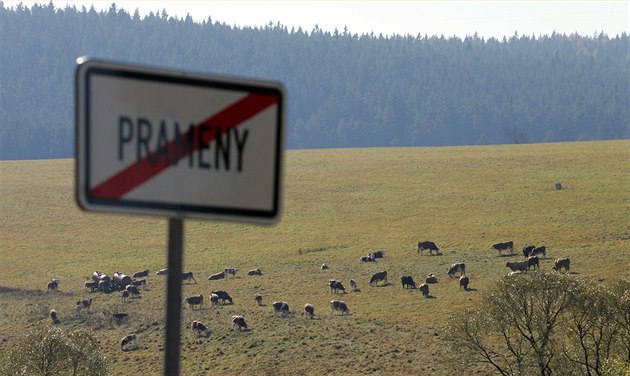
(160, 142)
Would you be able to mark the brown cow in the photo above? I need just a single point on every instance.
(562, 263)
(376, 277)
(518, 265)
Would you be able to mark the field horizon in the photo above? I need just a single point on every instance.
(339, 204)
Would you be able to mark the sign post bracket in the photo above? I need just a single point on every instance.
(174, 295)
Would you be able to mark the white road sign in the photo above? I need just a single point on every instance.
(153, 141)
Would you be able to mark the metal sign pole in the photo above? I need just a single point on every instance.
(174, 295)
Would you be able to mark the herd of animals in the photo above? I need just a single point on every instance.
(129, 286)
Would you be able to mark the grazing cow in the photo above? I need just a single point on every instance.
(84, 304)
(324, 266)
(223, 296)
(140, 282)
(258, 298)
(119, 317)
(199, 328)
(188, 276)
(542, 250)
(428, 245)
(215, 276)
(162, 272)
(214, 300)
(407, 281)
(230, 271)
(424, 289)
(353, 285)
(380, 276)
(509, 246)
(339, 305)
(53, 316)
(528, 249)
(378, 254)
(127, 341)
(53, 284)
(195, 300)
(562, 263)
(280, 307)
(463, 282)
(533, 261)
(518, 265)
(144, 273)
(309, 310)
(133, 290)
(238, 322)
(103, 286)
(124, 294)
(336, 286)
(431, 278)
(367, 258)
(458, 267)
(91, 285)
(254, 272)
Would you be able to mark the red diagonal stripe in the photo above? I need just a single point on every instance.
(141, 171)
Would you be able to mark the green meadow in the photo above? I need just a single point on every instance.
(339, 204)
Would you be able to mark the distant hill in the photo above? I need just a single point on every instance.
(345, 90)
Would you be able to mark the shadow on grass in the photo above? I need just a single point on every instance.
(16, 291)
(470, 289)
(509, 255)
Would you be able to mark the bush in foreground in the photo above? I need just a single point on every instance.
(544, 324)
(49, 350)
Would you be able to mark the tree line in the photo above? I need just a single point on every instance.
(344, 89)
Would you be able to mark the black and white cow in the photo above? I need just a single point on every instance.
(463, 282)
(162, 272)
(258, 298)
(368, 258)
(431, 278)
(142, 274)
(124, 294)
(280, 307)
(230, 271)
(53, 284)
(188, 276)
(528, 249)
(84, 304)
(91, 285)
(562, 263)
(339, 305)
(378, 254)
(505, 246)
(53, 316)
(424, 289)
(195, 300)
(336, 286)
(215, 276)
(309, 310)
(542, 250)
(133, 290)
(223, 296)
(238, 322)
(458, 267)
(199, 328)
(533, 261)
(376, 277)
(254, 272)
(407, 281)
(428, 245)
(128, 341)
(353, 285)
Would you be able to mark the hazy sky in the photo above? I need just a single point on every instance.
(487, 18)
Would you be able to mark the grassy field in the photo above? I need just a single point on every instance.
(339, 205)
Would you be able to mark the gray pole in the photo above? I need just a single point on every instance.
(174, 295)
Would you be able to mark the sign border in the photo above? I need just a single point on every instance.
(87, 67)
